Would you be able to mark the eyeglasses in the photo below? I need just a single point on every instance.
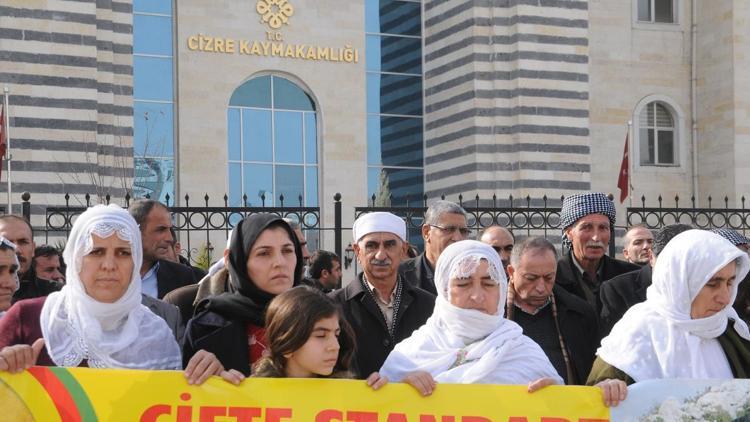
(465, 231)
(506, 248)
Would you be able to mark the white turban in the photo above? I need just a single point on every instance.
(376, 222)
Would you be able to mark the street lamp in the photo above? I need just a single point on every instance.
(348, 256)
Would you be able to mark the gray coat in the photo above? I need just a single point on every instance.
(169, 313)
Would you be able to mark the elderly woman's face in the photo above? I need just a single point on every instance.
(106, 270)
(478, 292)
(271, 262)
(716, 294)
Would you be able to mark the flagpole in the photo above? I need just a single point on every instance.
(6, 130)
(630, 163)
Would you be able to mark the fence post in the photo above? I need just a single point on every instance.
(25, 206)
(337, 224)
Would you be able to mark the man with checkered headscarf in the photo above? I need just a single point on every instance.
(742, 302)
(586, 220)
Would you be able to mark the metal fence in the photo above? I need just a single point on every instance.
(197, 226)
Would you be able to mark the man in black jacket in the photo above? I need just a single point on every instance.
(586, 220)
(444, 223)
(563, 325)
(620, 293)
(381, 307)
(160, 275)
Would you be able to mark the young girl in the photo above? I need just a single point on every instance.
(307, 337)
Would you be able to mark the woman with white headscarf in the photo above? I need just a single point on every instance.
(687, 327)
(97, 319)
(467, 340)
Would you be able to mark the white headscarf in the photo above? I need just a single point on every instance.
(658, 338)
(123, 334)
(494, 349)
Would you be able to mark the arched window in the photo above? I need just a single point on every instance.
(657, 135)
(272, 140)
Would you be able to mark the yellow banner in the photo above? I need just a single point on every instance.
(82, 394)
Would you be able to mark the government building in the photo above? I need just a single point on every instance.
(393, 98)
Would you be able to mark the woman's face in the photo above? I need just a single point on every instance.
(319, 354)
(106, 270)
(271, 262)
(478, 292)
(716, 294)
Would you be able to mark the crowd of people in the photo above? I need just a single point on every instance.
(463, 311)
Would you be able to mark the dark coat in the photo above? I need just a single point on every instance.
(569, 278)
(172, 275)
(579, 327)
(620, 293)
(413, 271)
(225, 338)
(36, 287)
(374, 342)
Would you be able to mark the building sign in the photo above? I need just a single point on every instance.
(275, 14)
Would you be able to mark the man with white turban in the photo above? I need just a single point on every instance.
(381, 307)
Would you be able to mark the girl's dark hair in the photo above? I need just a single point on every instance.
(290, 320)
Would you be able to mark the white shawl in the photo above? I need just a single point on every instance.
(658, 338)
(123, 334)
(494, 349)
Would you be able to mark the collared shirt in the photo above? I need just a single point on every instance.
(385, 307)
(590, 287)
(537, 310)
(148, 284)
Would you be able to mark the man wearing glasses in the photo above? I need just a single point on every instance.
(444, 223)
(502, 242)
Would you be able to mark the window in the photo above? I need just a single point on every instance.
(394, 101)
(657, 135)
(272, 144)
(657, 11)
(153, 100)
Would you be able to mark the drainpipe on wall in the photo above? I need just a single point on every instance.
(693, 96)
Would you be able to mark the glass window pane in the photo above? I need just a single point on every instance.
(235, 185)
(290, 183)
(311, 186)
(233, 130)
(289, 96)
(663, 116)
(254, 93)
(394, 94)
(153, 134)
(666, 147)
(152, 35)
(152, 78)
(399, 142)
(153, 6)
(663, 11)
(394, 54)
(645, 154)
(402, 184)
(393, 17)
(258, 180)
(644, 10)
(311, 139)
(256, 135)
(288, 135)
(154, 177)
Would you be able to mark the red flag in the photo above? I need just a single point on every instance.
(623, 180)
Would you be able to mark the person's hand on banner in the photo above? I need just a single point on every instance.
(540, 383)
(375, 381)
(422, 381)
(201, 366)
(20, 357)
(613, 391)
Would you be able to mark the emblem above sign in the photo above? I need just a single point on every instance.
(274, 13)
